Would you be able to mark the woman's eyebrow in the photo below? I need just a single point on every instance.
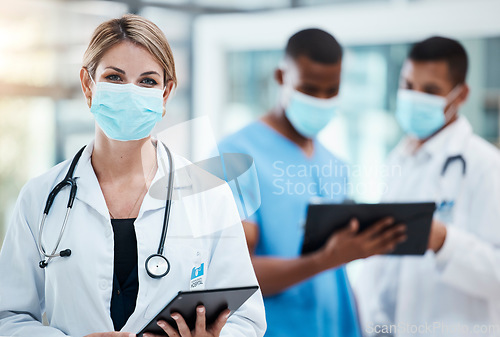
(116, 69)
(150, 73)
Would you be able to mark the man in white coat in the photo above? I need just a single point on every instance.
(454, 289)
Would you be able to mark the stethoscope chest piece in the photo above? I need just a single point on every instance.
(157, 266)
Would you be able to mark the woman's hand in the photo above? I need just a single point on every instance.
(200, 330)
(112, 334)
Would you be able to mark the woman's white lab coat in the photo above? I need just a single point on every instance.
(75, 292)
(455, 292)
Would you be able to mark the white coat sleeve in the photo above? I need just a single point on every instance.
(21, 280)
(469, 261)
(230, 266)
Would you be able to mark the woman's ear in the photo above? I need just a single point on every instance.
(86, 84)
(168, 90)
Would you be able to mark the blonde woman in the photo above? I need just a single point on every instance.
(87, 269)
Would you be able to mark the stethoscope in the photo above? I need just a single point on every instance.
(157, 265)
(450, 160)
(445, 205)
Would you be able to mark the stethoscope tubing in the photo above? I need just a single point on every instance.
(168, 204)
(450, 160)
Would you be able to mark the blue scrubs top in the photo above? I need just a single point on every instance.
(322, 305)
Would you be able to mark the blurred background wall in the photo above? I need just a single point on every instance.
(226, 52)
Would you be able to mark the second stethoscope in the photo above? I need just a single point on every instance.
(450, 160)
(157, 265)
(448, 193)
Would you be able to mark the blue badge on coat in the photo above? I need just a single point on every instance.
(444, 211)
(198, 277)
(197, 272)
(446, 205)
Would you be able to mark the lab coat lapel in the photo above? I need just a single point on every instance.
(89, 190)
(157, 193)
(451, 140)
(452, 182)
(461, 134)
(192, 186)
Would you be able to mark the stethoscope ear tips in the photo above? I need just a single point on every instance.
(43, 264)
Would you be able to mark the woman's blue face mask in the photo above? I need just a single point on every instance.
(421, 115)
(126, 111)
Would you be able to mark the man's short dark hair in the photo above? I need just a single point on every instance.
(443, 49)
(316, 44)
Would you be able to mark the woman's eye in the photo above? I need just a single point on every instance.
(113, 78)
(149, 81)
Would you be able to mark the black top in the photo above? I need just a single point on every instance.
(125, 279)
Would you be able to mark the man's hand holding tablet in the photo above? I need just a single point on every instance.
(340, 233)
(350, 244)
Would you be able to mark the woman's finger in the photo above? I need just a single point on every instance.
(219, 323)
(181, 325)
(200, 319)
(171, 332)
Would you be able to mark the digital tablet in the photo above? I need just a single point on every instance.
(185, 303)
(324, 219)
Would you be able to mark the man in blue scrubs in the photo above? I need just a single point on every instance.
(304, 295)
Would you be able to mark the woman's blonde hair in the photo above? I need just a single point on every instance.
(136, 29)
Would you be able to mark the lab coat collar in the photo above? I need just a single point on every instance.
(448, 142)
(89, 190)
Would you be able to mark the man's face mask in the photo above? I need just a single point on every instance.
(308, 114)
(421, 115)
(126, 111)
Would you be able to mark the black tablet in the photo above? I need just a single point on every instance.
(324, 219)
(185, 303)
